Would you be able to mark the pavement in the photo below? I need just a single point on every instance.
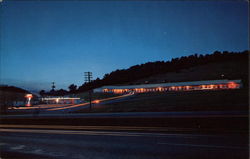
(207, 121)
(118, 143)
(183, 114)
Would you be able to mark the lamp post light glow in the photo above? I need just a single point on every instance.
(28, 96)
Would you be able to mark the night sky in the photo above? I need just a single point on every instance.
(58, 41)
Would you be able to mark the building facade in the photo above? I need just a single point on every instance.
(175, 86)
(60, 100)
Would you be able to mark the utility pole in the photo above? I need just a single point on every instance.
(88, 79)
(53, 86)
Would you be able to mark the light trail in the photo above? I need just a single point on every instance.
(111, 98)
(67, 106)
(83, 104)
(41, 106)
(128, 134)
(45, 105)
(69, 127)
(72, 132)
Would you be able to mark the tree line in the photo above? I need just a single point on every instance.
(148, 69)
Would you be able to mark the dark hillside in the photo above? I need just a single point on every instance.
(212, 71)
(6, 88)
(233, 65)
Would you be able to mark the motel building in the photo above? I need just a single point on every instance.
(177, 86)
(60, 100)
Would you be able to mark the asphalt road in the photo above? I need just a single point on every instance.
(137, 114)
(119, 144)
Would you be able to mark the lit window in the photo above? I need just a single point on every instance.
(232, 85)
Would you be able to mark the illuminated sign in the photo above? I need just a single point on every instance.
(28, 96)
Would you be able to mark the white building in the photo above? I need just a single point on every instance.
(60, 100)
(175, 86)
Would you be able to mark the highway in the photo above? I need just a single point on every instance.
(186, 114)
(86, 142)
(207, 121)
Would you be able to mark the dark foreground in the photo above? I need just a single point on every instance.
(169, 135)
(225, 122)
(81, 144)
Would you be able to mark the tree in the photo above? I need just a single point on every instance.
(61, 92)
(72, 88)
(42, 92)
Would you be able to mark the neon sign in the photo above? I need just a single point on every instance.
(28, 96)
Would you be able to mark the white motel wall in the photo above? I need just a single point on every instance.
(173, 86)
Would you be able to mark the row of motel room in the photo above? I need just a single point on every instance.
(61, 100)
(177, 86)
(161, 87)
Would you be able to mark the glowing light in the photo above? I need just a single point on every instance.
(28, 96)
(208, 86)
(160, 89)
(173, 88)
(118, 91)
(105, 90)
(142, 90)
(212, 86)
(96, 101)
(203, 86)
(232, 85)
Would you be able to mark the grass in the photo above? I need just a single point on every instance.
(220, 100)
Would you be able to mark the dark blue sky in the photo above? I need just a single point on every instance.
(58, 41)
